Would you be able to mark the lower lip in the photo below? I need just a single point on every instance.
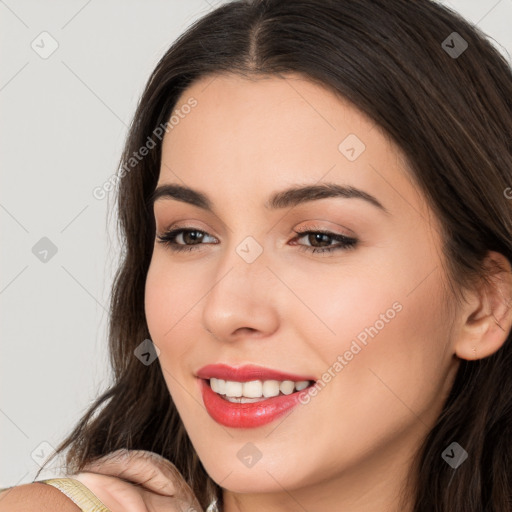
(249, 415)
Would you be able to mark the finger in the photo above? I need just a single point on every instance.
(114, 493)
(142, 467)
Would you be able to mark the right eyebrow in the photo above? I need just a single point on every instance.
(282, 199)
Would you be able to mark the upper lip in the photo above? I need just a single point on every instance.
(247, 373)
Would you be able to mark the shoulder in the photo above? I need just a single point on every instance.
(35, 497)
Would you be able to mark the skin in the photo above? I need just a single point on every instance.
(352, 445)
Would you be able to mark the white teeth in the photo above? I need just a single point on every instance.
(242, 399)
(287, 387)
(303, 384)
(233, 388)
(256, 388)
(270, 388)
(218, 385)
(252, 389)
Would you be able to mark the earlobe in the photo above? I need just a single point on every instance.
(487, 318)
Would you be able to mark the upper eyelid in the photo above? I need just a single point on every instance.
(177, 225)
(174, 229)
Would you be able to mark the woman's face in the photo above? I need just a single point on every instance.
(367, 320)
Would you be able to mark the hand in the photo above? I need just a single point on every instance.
(138, 481)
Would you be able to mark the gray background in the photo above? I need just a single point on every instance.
(63, 123)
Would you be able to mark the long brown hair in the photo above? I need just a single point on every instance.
(447, 106)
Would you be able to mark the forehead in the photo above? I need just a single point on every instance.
(259, 107)
(257, 134)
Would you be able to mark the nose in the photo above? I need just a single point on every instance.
(241, 301)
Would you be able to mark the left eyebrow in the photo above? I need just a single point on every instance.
(283, 199)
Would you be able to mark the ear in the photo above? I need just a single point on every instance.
(487, 316)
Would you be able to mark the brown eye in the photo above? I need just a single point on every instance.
(190, 237)
(317, 238)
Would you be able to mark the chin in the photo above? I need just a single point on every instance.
(261, 478)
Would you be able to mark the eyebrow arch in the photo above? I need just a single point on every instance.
(286, 198)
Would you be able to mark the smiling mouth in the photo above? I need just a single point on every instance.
(256, 390)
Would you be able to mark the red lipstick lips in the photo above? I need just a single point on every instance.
(247, 415)
(246, 373)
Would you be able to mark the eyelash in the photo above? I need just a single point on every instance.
(346, 243)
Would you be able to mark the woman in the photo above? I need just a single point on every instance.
(320, 221)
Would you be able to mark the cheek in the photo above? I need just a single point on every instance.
(168, 301)
(157, 302)
(383, 339)
(394, 355)
(170, 292)
(345, 304)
